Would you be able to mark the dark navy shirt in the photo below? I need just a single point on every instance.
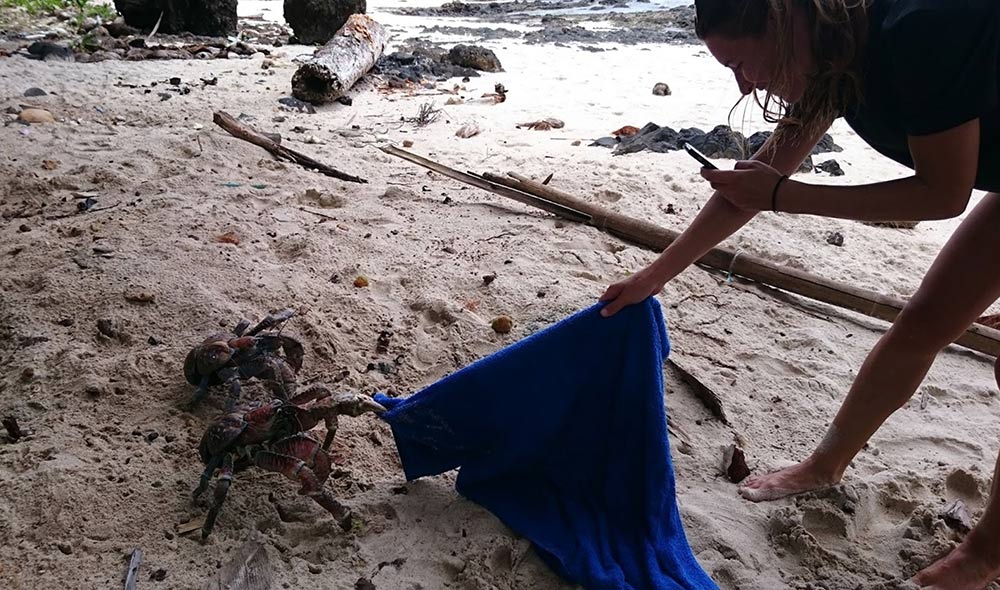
(929, 66)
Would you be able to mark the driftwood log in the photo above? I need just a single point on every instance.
(340, 63)
(649, 235)
(247, 133)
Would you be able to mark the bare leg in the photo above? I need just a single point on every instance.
(976, 562)
(962, 282)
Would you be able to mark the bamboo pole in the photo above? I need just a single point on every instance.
(869, 303)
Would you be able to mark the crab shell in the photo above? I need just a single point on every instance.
(207, 358)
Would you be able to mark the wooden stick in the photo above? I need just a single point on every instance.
(527, 199)
(247, 133)
(978, 337)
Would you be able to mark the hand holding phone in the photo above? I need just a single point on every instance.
(699, 156)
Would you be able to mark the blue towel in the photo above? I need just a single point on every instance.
(563, 437)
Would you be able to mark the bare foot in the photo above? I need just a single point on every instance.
(803, 477)
(971, 566)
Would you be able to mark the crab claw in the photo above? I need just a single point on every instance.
(355, 404)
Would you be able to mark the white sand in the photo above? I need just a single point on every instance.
(84, 480)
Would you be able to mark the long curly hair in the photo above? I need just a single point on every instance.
(837, 37)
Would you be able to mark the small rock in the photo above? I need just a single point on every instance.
(35, 116)
(94, 391)
(50, 164)
(159, 574)
(468, 130)
(361, 281)
(364, 584)
(151, 436)
(345, 100)
(24, 228)
(153, 341)
(473, 56)
(502, 324)
(407, 143)
(108, 328)
(139, 296)
(27, 374)
(290, 103)
(576, 142)
(312, 139)
(267, 63)
(34, 91)
(66, 322)
(835, 239)
(66, 548)
(831, 167)
(661, 89)
(315, 569)
(487, 279)
(175, 81)
(47, 50)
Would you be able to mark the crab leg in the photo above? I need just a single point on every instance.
(311, 393)
(271, 321)
(206, 476)
(221, 489)
(300, 458)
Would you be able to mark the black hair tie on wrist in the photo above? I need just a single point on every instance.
(774, 193)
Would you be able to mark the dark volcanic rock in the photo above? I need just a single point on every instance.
(213, 18)
(316, 21)
(418, 63)
(473, 56)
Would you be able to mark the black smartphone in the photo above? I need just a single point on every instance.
(699, 156)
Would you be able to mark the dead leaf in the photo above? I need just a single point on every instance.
(50, 164)
(468, 130)
(544, 124)
(228, 238)
(190, 526)
(626, 131)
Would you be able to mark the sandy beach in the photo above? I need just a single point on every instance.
(112, 458)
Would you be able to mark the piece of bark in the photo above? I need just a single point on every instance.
(250, 569)
(132, 573)
(734, 463)
(336, 66)
(247, 133)
(702, 392)
(957, 517)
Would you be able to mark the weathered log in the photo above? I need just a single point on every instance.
(340, 63)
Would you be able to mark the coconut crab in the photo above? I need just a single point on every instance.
(262, 352)
(274, 437)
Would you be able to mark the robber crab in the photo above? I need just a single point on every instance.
(225, 359)
(273, 437)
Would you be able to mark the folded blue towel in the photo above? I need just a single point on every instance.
(563, 437)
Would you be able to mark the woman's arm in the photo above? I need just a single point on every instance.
(719, 218)
(945, 172)
(945, 166)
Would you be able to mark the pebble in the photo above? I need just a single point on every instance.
(66, 548)
(24, 228)
(502, 324)
(35, 116)
(315, 569)
(159, 575)
(835, 239)
(33, 91)
(661, 89)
